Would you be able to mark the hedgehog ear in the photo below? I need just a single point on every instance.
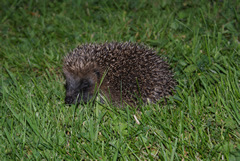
(97, 73)
(67, 74)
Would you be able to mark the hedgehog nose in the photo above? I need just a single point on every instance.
(68, 100)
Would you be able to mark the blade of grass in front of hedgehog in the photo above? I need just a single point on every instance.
(97, 89)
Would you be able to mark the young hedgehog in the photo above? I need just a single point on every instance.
(123, 73)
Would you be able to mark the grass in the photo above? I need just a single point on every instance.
(200, 40)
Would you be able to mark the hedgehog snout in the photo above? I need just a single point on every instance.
(69, 100)
(82, 97)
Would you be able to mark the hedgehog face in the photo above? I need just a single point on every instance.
(80, 88)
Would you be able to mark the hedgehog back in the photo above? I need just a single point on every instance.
(135, 71)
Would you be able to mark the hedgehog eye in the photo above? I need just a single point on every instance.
(97, 73)
(84, 84)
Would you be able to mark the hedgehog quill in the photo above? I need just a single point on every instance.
(124, 73)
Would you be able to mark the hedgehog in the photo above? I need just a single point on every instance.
(125, 73)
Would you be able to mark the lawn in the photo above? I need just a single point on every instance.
(199, 39)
